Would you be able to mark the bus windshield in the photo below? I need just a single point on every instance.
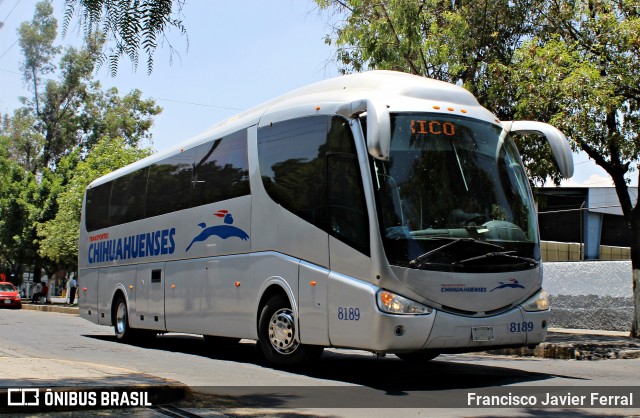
(453, 196)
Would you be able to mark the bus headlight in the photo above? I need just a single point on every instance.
(395, 304)
(539, 302)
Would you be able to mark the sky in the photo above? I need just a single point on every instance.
(239, 54)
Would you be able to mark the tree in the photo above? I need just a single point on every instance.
(12, 209)
(467, 43)
(44, 142)
(131, 25)
(22, 141)
(72, 111)
(59, 236)
(453, 41)
(574, 64)
(36, 40)
(582, 74)
(19, 199)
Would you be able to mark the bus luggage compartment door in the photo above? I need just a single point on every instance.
(88, 294)
(312, 299)
(149, 312)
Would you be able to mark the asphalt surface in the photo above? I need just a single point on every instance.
(63, 375)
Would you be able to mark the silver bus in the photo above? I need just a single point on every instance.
(379, 211)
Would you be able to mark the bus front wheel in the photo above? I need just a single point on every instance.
(278, 339)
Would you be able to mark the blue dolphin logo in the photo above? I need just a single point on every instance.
(514, 285)
(222, 231)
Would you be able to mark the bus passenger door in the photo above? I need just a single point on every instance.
(149, 312)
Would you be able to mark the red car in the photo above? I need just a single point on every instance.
(9, 296)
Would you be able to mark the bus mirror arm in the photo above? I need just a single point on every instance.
(559, 144)
(378, 130)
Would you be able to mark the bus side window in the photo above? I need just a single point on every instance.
(128, 197)
(97, 207)
(221, 170)
(293, 166)
(348, 218)
(169, 187)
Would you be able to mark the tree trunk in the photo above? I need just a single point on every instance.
(37, 273)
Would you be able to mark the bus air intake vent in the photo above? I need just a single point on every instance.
(499, 310)
(458, 311)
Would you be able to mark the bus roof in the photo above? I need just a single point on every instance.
(399, 91)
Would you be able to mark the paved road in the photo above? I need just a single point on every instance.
(343, 378)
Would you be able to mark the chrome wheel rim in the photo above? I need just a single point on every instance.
(121, 318)
(282, 332)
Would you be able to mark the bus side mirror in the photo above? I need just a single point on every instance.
(378, 125)
(378, 130)
(559, 144)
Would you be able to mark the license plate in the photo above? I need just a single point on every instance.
(482, 334)
(7, 301)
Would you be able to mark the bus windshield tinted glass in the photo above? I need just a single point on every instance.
(452, 179)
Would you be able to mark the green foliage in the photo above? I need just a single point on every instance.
(36, 40)
(110, 115)
(450, 41)
(16, 207)
(70, 133)
(581, 74)
(59, 236)
(131, 25)
(468, 43)
(74, 111)
(22, 141)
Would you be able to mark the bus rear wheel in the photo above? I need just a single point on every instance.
(121, 324)
(278, 339)
(121, 320)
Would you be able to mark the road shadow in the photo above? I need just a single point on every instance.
(388, 374)
(354, 380)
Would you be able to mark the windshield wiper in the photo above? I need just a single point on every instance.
(453, 241)
(505, 255)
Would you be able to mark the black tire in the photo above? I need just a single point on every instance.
(121, 320)
(277, 335)
(419, 356)
(121, 326)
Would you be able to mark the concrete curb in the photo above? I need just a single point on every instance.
(580, 345)
(573, 352)
(73, 310)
